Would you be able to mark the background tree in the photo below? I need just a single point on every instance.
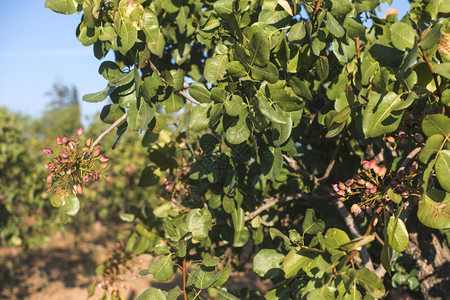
(293, 106)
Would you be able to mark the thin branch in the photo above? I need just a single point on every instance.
(270, 202)
(316, 9)
(186, 95)
(333, 159)
(109, 129)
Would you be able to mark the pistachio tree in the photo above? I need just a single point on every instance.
(262, 116)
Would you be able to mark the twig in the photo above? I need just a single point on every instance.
(333, 160)
(184, 274)
(108, 130)
(408, 159)
(316, 9)
(185, 84)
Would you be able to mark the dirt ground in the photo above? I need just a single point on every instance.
(66, 268)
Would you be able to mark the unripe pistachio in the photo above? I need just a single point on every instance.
(88, 142)
(369, 185)
(80, 189)
(373, 190)
(49, 179)
(341, 185)
(85, 149)
(335, 187)
(355, 209)
(80, 131)
(69, 171)
(349, 182)
(365, 165)
(390, 139)
(340, 193)
(72, 144)
(104, 165)
(47, 151)
(382, 171)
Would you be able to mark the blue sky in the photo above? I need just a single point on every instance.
(39, 47)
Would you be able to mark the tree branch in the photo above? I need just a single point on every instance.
(270, 202)
(408, 159)
(109, 129)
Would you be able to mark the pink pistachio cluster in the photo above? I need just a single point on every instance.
(367, 185)
(75, 165)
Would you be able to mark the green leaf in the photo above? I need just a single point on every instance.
(151, 26)
(402, 36)
(200, 117)
(215, 68)
(297, 32)
(199, 92)
(268, 111)
(358, 243)
(236, 69)
(238, 132)
(268, 73)
(334, 238)
(272, 162)
(434, 209)
(152, 294)
(312, 225)
(173, 102)
(109, 70)
(322, 67)
(267, 263)
(259, 48)
(241, 237)
(162, 269)
(334, 27)
(281, 133)
(436, 124)
(442, 169)
(432, 146)
(396, 198)
(380, 115)
(300, 88)
(121, 79)
(341, 7)
(127, 37)
(370, 282)
(223, 295)
(198, 222)
(296, 261)
(220, 278)
(354, 28)
(66, 7)
(71, 205)
(431, 38)
(398, 234)
(233, 105)
(161, 249)
(442, 69)
(386, 56)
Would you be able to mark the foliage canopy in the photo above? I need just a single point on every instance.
(251, 110)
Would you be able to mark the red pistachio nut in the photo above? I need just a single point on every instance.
(49, 179)
(85, 149)
(413, 168)
(85, 179)
(80, 131)
(341, 185)
(104, 158)
(382, 171)
(72, 144)
(88, 142)
(355, 209)
(419, 138)
(64, 155)
(402, 134)
(95, 176)
(334, 186)
(96, 152)
(365, 165)
(104, 165)
(64, 139)
(79, 189)
(58, 140)
(47, 151)
(340, 193)
(390, 139)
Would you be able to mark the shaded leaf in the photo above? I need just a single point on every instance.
(267, 263)
(398, 234)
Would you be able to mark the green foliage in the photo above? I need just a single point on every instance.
(287, 99)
